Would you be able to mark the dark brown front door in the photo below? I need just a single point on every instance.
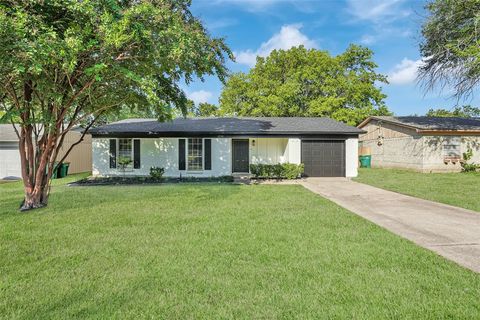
(240, 155)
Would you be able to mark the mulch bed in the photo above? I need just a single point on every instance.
(113, 181)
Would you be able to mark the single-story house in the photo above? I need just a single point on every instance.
(10, 167)
(426, 144)
(206, 147)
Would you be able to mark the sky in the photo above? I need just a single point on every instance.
(391, 28)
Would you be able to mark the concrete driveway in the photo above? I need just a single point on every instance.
(449, 231)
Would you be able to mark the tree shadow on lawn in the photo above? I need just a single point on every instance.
(65, 198)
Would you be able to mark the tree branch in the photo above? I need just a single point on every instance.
(79, 140)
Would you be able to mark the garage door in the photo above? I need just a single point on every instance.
(9, 160)
(324, 158)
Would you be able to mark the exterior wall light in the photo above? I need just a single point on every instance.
(380, 140)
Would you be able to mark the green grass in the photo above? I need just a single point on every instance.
(6, 181)
(457, 189)
(215, 251)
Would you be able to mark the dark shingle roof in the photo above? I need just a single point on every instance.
(225, 126)
(434, 123)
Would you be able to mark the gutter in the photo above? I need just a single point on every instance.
(448, 132)
(226, 134)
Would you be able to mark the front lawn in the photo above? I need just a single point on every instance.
(457, 189)
(215, 251)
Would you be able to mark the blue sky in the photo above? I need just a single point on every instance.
(391, 28)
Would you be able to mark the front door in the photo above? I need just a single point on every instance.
(240, 155)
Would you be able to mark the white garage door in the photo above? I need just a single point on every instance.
(9, 160)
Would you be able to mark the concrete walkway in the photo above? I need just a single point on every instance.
(449, 231)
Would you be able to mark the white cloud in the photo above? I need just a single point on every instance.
(405, 72)
(199, 96)
(384, 32)
(288, 37)
(368, 39)
(377, 10)
(381, 16)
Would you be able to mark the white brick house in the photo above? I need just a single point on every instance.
(205, 147)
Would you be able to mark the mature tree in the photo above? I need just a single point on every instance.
(450, 45)
(65, 62)
(301, 82)
(462, 112)
(205, 109)
(132, 111)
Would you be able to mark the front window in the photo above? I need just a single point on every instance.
(451, 148)
(125, 152)
(195, 154)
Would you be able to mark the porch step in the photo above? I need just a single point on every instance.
(242, 178)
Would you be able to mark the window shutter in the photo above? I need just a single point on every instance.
(181, 154)
(136, 154)
(113, 153)
(208, 154)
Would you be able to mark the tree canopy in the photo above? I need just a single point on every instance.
(308, 82)
(205, 109)
(462, 112)
(451, 46)
(63, 63)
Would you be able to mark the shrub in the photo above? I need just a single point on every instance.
(277, 171)
(468, 167)
(157, 173)
(292, 171)
(123, 163)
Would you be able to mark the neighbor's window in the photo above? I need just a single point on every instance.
(195, 151)
(451, 148)
(125, 149)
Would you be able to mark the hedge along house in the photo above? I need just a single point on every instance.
(426, 144)
(208, 147)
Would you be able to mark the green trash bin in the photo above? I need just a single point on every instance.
(63, 169)
(365, 161)
(55, 171)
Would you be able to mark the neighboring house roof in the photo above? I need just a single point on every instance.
(226, 127)
(430, 124)
(7, 133)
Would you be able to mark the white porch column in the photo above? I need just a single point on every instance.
(294, 153)
(351, 157)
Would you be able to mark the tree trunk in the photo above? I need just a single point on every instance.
(37, 197)
(36, 179)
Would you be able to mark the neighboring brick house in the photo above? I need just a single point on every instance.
(426, 144)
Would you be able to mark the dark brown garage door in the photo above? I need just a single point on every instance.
(324, 158)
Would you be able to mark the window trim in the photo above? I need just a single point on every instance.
(130, 167)
(187, 147)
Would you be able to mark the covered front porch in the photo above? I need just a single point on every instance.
(321, 157)
(265, 151)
